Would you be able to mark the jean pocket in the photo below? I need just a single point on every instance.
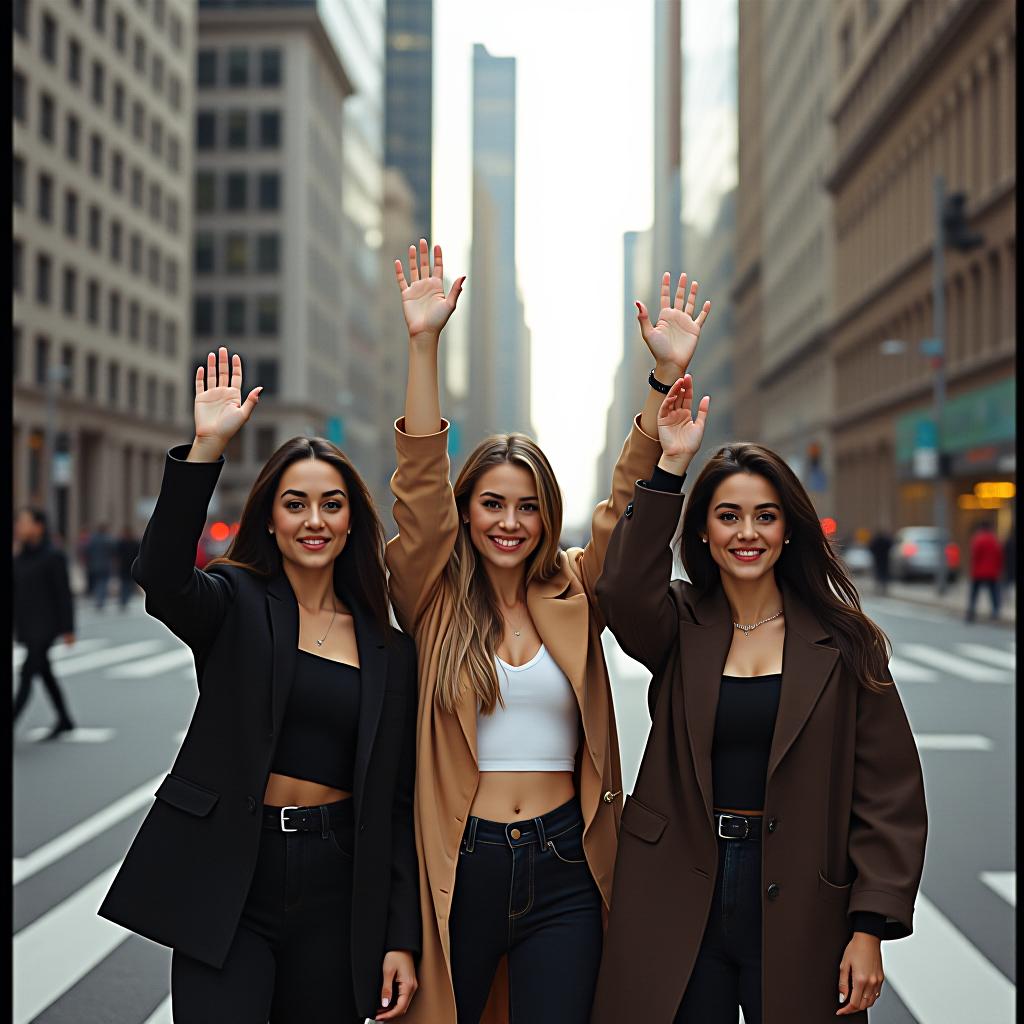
(568, 846)
(340, 843)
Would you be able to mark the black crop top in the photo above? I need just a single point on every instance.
(318, 738)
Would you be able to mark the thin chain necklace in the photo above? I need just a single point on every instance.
(747, 630)
(515, 632)
(320, 642)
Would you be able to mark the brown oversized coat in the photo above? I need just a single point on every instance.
(564, 610)
(844, 810)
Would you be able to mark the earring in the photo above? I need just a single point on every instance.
(787, 540)
(703, 540)
(270, 529)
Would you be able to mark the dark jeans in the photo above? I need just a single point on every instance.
(37, 663)
(127, 588)
(993, 591)
(524, 888)
(100, 589)
(727, 974)
(290, 960)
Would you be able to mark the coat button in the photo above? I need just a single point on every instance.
(773, 891)
(628, 510)
(772, 824)
(608, 798)
(515, 833)
(250, 802)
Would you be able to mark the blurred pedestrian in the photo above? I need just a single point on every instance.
(43, 610)
(81, 554)
(986, 568)
(99, 559)
(881, 545)
(127, 549)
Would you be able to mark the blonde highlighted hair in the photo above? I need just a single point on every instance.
(477, 626)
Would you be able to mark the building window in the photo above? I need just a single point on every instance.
(134, 321)
(206, 191)
(116, 239)
(69, 291)
(206, 69)
(44, 266)
(266, 375)
(18, 97)
(270, 129)
(153, 264)
(156, 138)
(236, 254)
(114, 312)
(151, 393)
(156, 201)
(153, 330)
(266, 315)
(173, 153)
(175, 31)
(171, 274)
(140, 55)
(170, 338)
(206, 129)
(99, 83)
(42, 361)
(846, 46)
(95, 228)
(49, 40)
(92, 301)
(138, 121)
(238, 129)
(47, 117)
(234, 315)
(133, 390)
(120, 32)
(71, 214)
(137, 187)
(44, 198)
(205, 259)
(135, 260)
(117, 171)
(19, 12)
(96, 155)
(170, 401)
(270, 67)
(159, 13)
(156, 74)
(270, 189)
(173, 216)
(92, 376)
(18, 181)
(174, 92)
(74, 61)
(268, 253)
(119, 102)
(266, 441)
(202, 316)
(238, 67)
(113, 383)
(237, 190)
(99, 15)
(72, 137)
(67, 362)
(17, 266)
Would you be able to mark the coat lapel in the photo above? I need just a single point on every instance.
(807, 665)
(283, 612)
(704, 647)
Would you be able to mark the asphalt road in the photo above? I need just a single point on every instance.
(79, 801)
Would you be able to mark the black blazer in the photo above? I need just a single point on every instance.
(42, 608)
(186, 877)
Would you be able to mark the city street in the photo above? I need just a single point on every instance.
(131, 687)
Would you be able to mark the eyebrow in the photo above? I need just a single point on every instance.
(764, 504)
(501, 497)
(303, 494)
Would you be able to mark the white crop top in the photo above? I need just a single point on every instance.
(538, 729)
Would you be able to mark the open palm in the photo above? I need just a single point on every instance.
(424, 304)
(219, 409)
(673, 338)
(678, 431)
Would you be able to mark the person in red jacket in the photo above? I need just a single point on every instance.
(986, 567)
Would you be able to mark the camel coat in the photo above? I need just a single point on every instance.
(844, 810)
(564, 610)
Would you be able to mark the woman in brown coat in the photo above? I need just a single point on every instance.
(777, 828)
(518, 791)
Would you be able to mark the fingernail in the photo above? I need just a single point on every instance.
(842, 998)
(384, 1002)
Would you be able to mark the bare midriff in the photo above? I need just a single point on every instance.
(285, 791)
(513, 796)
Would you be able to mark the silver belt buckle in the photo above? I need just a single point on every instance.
(737, 817)
(284, 827)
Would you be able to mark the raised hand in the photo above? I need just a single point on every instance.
(424, 303)
(680, 434)
(219, 409)
(674, 337)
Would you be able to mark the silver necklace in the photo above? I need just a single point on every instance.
(515, 632)
(747, 630)
(320, 642)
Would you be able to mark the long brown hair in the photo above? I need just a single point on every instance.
(808, 565)
(358, 570)
(468, 649)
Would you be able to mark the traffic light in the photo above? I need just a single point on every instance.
(954, 224)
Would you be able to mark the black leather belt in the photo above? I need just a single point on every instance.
(737, 826)
(307, 819)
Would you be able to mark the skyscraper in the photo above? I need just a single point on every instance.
(499, 370)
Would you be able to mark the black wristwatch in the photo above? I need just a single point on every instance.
(657, 385)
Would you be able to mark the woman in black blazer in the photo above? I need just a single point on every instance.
(279, 860)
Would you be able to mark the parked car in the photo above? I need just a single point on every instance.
(916, 551)
(857, 558)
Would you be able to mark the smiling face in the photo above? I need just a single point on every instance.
(311, 514)
(504, 517)
(746, 526)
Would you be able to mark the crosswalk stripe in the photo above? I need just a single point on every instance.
(62, 946)
(918, 968)
(161, 1015)
(953, 665)
(951, 741)
(62, 845)
(153, 666)
(109, 656)
(1001, 659)
(61, 651)
(904, 671)
(1002, 882)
